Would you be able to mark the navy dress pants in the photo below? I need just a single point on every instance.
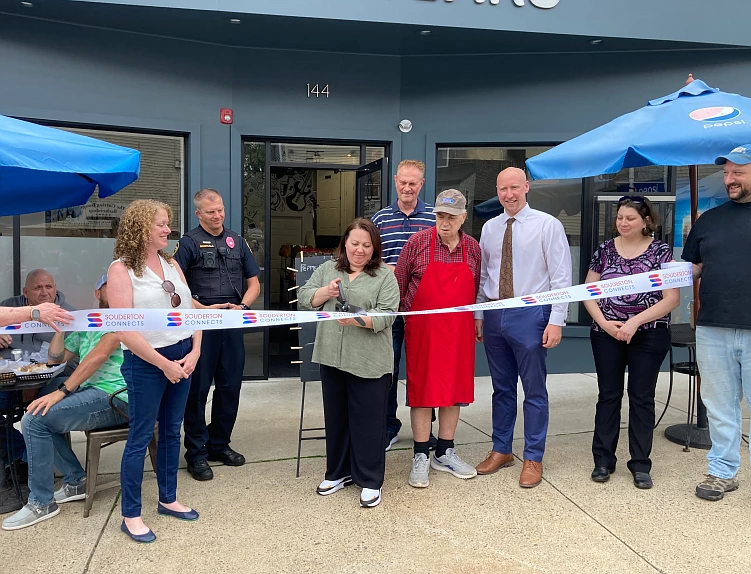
(513, 345)
(222, 362)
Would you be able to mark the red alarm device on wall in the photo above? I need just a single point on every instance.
(225, 115)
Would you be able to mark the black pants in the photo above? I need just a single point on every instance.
(355, 413)
(222, 361)
(643, 356)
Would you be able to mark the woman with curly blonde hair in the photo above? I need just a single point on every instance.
(157, 365)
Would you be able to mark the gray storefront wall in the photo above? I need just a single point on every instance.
(89, 76)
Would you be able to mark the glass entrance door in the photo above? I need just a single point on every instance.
(370, 189)
(300, 195)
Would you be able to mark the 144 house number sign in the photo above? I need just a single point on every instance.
(545, 4)
(318, 90)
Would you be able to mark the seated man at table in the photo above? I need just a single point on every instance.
(81, 403)
(39, 288)
(37, 298)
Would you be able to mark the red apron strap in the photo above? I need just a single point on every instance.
(433, 237)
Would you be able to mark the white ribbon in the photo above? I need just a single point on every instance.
(674, 275)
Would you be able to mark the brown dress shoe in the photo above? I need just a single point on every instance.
(531, 474)
(494, 462)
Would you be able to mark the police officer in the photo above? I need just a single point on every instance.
(218, 266)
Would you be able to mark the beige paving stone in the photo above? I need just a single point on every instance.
(667, 525)
(61, 544)
(260, 518)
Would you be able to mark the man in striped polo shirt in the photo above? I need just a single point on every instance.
(397, 223)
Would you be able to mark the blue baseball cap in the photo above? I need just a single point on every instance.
(102, 281)
(740, 155)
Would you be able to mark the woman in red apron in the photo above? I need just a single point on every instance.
(439, 268)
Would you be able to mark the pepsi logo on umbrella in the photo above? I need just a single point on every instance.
(715, 114)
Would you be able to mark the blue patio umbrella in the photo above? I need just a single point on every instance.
(43, 168)
(691, 126)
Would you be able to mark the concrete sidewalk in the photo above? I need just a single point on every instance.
(259, 518)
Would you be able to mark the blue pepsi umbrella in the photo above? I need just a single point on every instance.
(43, 168)
(691, 126)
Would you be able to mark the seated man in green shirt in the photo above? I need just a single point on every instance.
(81, 403)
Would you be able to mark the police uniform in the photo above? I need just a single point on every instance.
(216, 269)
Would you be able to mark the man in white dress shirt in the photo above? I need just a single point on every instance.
(524, 251)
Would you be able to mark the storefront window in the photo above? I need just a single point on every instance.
(712, 193)
(473, 171)
(652, 181)
(6, 257)
(254, 231)
(308, 153)
(374, 153)
(75, 244)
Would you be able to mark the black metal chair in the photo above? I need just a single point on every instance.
(689, 435)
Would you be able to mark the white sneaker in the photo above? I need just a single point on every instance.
(420, 470)
(391, 440)
(370, 497)
(450, 462)
(71, 492)
(331, 486)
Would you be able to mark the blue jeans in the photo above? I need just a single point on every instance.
(513, 346)
(152, 398)
(724, 357)
(47, 447)
(393, 424)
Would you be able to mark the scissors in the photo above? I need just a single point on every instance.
(345, 307)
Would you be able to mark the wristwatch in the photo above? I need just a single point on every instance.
(244, 307)
(62, 388)
(35, 314)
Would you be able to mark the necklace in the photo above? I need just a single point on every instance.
(631, 254)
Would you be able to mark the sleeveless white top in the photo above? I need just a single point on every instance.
(149, 294)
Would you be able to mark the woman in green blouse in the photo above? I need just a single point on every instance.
(356, 360)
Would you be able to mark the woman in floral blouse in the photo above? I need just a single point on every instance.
(629, 331)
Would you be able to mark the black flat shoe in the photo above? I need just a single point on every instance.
(228, 457)
(141, 538)
(642, 480)
(602, 473)
(200, 470)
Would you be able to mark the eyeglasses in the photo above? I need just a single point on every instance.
(174, 298)
(633, 198)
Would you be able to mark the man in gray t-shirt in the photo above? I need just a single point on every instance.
(39, 288)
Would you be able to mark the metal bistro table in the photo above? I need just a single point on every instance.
(14, 385)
